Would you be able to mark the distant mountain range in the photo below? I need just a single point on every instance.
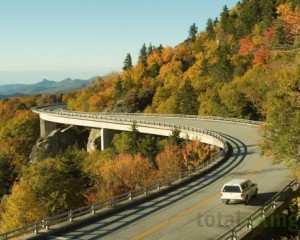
(45, 86)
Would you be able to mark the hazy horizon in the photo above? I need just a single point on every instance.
(57, 39)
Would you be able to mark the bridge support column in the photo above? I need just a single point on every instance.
(46, 127)
(107, 137)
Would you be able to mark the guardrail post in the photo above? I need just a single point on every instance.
(130, 196)
(233, 235)
(35, 228)
(274, 205)
(45, 224)
(93, 209)
(70, 215)
(249, 225)
(145, 190)
(262, 213)
(158, 186)
(113, 202)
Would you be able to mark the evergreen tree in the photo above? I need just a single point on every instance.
(175, 139)
(186, 100)
(222, 71)
(192, 32)
(268, 9)
(143, 55)
(148, 147)
(127, 62)
(7, 175)
(150, 49)
(118, 87)
(134, 137)
(210, 29)
(226, 21)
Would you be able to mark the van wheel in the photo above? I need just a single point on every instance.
(225, 201)
(246, 200)
(255, 194)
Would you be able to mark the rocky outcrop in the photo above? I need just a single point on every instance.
(94, 141)
(58, 140)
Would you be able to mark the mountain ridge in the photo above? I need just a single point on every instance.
(44, 86)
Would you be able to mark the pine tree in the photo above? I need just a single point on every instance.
(192, 33)
(186, 100)
(127, 62)
(133, 139)
(143, 55)
(118, 87)
(226, 21)
(150, 49)
(210, 29)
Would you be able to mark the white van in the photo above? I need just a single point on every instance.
(238, 190)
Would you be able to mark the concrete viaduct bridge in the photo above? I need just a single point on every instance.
(190, 211)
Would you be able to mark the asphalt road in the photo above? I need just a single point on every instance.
(195, 210)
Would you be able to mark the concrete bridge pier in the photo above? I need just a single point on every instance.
(107, 137)
(46, 127)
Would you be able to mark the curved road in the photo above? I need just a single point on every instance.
(195, 211)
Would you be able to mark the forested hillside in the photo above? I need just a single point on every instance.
(244, 65)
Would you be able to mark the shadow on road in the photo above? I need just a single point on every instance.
(121, 219)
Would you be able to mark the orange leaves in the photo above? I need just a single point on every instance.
(260, 50)
(290, 18)
(246, 46)
(261, 55)
(127, 172)
(169, 161)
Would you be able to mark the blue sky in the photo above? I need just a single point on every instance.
(56, 39)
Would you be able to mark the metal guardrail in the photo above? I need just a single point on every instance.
(260, 214)
(106, 115)
(111, 203)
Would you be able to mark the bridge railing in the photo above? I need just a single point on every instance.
(111, 203)
(257, 217)
(50, 108)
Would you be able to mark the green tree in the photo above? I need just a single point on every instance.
(210, 29)
(127, 62)
(150, 49)
(121, 143)
(186, 99)
(148, 147)
(7, 174)
(134, 138)
(193, 30)
(118, 88)
(175, 139)
(222, 70)
(226, 21)
(143, 55)
(281, 133)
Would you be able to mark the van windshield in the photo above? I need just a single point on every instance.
(229, 188)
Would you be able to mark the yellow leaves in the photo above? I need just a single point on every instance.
(154, 58)
(167, 54)
(291, 18)
(21, 208)
(194, 153)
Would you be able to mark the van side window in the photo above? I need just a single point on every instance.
(245, 185)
